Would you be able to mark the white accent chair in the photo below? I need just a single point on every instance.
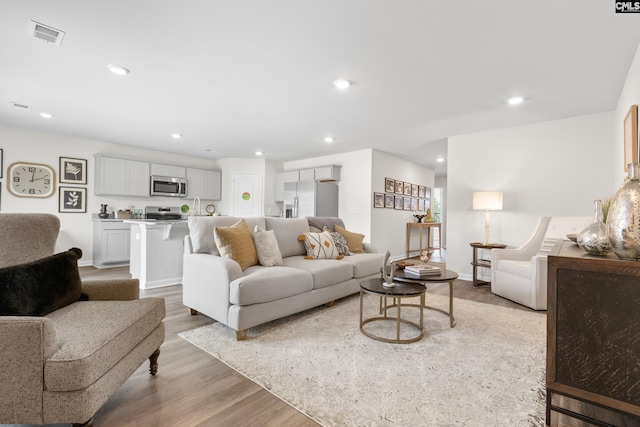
(521, 274)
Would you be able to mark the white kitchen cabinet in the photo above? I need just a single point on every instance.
(282, 178)
(327, 173)
(121, 177)
(307, 174)
(205, 184)
(168, 170)
(111, 243)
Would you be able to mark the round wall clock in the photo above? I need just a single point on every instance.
(28, 179)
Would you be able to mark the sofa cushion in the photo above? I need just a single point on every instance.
(94, 335)
(365, 264)
(263, 284)
(325, 272)
(39, 287)
(236, 242)
(320, 245)
(354, 240)
(340, 242)
(266, 247)
(201, 230)
(287, 231)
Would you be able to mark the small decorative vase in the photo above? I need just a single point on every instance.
(595, 237)
(103, 212)
(623, 218)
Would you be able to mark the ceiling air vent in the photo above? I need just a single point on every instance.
(45, 33)
(21, 107)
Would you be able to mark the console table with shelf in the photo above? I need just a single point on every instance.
(593, 338)
(420, 226)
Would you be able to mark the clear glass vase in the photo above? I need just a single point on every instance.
(595, 237)
(624, 217)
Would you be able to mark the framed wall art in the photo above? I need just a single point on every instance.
(631, 136)
(73, 171)
(72, 199)
(378, 200)
(399, 187)
(421, 205)
(389, 185)
(399, 203)
(422, 190)
(407, 203)
(389, 200)
(414, 204)
(407, 189)
(414, 190)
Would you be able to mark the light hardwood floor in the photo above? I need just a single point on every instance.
(193, 388)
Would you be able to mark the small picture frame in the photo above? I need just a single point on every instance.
(427, 192)
(421, 205)
(389, 201)
(378, 200)
(72, 200)
(389, 185)
(399, 203)
(414, 190)
(1, 166)
(399, 187)
(422, 190)
(407, 189)
(631, 136)
(73, 171)
(414, 204)
(407, 203)
(427, 204)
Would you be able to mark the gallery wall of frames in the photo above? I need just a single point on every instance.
(403, 195)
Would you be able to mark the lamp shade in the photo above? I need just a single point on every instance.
(487, 201)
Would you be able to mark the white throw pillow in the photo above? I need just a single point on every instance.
(267, 247)
(320, 246)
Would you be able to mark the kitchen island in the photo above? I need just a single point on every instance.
(156, 251)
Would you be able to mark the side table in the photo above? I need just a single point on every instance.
(478, 261)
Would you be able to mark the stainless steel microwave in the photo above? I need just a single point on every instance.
(168, 186)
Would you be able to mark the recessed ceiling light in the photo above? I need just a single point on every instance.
(119, 70)
(329, 139)
(46, 115)
(258, 153)
(439, 160)
(515, 100)
(342, 83)
(176, 135)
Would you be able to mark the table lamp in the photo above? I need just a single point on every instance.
(487, 201)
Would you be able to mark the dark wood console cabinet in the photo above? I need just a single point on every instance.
(593, 338)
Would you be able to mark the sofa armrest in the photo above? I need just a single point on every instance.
(25, 344)
(112, 290)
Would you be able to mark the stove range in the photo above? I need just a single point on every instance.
(164, 213)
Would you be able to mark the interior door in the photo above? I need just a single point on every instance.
(247, 195)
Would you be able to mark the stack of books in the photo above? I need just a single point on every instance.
(425, 270)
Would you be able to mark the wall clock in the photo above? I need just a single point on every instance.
(28, 179)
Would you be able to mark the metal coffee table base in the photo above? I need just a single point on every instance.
(398, 319)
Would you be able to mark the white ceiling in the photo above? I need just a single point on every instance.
(240, 76)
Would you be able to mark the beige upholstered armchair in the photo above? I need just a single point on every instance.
(62, 366)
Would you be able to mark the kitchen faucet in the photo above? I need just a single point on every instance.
(193, 206)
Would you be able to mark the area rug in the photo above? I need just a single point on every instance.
(487, 371)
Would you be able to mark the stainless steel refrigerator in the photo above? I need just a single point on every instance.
(310, 198)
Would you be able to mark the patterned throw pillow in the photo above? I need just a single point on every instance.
(319, 246)
(235, 242)
(354, 240)
(267, 247)
(339, 240)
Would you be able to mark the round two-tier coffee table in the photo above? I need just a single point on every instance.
(447, 276)
(398, 292)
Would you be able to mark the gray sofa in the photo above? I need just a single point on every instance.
(218, 288)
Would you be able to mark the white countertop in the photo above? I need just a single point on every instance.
(146, 222)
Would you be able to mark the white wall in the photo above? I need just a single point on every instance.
(77, 228)
(545, 169)
(630, 95)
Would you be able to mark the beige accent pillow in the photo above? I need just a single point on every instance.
(354, 240)
(320, 246)
(235, 242)
(267, 247)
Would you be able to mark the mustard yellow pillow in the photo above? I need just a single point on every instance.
(354, 240)
(236, 242)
